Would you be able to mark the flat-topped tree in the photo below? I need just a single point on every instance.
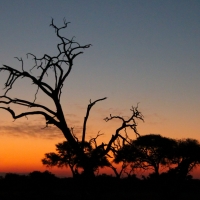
(60, 65)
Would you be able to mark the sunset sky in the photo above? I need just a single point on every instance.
(145, 52)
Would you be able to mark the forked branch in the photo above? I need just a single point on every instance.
(126, 123)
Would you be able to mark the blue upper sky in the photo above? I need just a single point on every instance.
(142, 51)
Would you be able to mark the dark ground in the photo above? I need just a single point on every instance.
(49, 187)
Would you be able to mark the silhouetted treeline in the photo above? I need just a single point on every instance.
(45, 185)
(164, 157)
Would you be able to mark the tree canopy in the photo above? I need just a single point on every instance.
(66, 156)
(155, 152)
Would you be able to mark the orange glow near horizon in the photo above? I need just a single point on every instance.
(143, 53)
(23, 155)
(23, 143)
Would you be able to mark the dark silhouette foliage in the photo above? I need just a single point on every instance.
(66, 156)
(153, 152)
(185, 157)
(46, 175)
(42, 185)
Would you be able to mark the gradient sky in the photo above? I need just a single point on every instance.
(142, 51)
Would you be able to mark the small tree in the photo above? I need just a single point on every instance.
(185, 157)
(66, 156)
(60, 65)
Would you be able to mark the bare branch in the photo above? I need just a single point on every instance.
(130, 122)
(49, 119)
(87, 115)
(72, 132)
(93, 140)
(24, 103)
(15, 74)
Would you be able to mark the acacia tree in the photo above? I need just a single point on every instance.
(148, 152)
(60, 65)
(153, 150)
(66, 156)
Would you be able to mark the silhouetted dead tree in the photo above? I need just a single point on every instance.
(60, 65)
